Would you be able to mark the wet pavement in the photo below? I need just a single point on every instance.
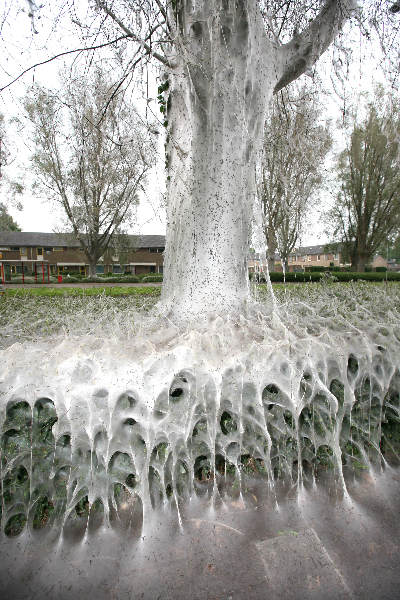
(308, 546)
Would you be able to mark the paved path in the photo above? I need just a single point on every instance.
(309, 547)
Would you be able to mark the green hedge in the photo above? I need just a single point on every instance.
(278, 276)
(152, 278)
(113, 275)
(339, 275)
(318, 269)
(113, 279)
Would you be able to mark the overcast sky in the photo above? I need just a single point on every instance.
(21, 48)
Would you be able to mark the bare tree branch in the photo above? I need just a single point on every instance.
(44, 62)
(103, 6)
(304, 49)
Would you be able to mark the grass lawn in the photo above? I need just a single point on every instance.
(53, 292)
(33, 313)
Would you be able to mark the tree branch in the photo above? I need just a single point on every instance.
(44, 62)
(304, 49)
(103, 6)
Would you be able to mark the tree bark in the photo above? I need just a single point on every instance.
(271, 263)
(227, 70)
(360, 262)
(92, 269)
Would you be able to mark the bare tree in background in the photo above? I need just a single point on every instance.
(291, 172)
(92, 163)
(10, 189)
(366, 212)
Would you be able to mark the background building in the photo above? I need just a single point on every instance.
(61, 254)
(315, 256)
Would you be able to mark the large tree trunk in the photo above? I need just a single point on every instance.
(360, 261)
(216, 110)
(92, 268)
(225, 72)
(271, 262)
(271, 248)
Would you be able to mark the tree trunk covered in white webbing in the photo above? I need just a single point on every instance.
(226, 70)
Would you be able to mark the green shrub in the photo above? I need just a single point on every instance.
(112, 279)
(293, 277)
(152, 278)
(367, 276)
(340, 276)
(71, 279)
(316, 269)
(381, 269)
(127, 279)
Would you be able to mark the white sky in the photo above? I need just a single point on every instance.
(20, 49)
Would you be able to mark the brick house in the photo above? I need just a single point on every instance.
(301, 258)
(60, 253)
(311, 256)
(314, 256)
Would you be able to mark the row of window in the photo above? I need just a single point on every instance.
(64, 269)
(310, 257)
(39, 251)
(43, 250)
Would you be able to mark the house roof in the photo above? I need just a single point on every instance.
(26, 238)
(320, 249)
(303, 251)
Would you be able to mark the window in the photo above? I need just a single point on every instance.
(5, 248)
(24, 251)
(15, 248)
(58, 249)
(39, 251)
(335, 257)
(309, 258)
(318, 257)
(48, 250)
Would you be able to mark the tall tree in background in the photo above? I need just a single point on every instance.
(366, 212)
(3, 146)
(89, 159)
(7, 223)
(295, 147)
(10, 189)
